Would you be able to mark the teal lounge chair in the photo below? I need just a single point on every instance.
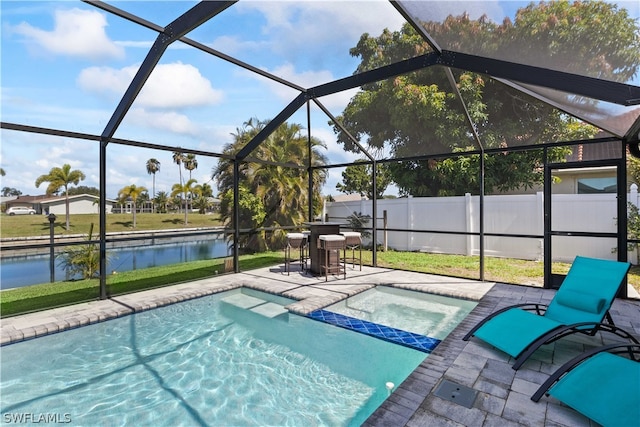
(580, 305)
(600, 384)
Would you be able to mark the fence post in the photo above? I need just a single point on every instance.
(633, 198)
(385, 240)
(469, 224)
(540, 222)
(52, 256)
(409, 222)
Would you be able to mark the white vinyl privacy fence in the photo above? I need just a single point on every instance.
(430, 219)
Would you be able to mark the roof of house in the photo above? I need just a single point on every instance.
(600, 151)
(51, 200)
(26, 200)
(45, 199)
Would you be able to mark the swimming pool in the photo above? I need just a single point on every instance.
(421, 313)
(208, 361)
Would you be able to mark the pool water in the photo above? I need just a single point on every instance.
(425, 314)
(203, 362)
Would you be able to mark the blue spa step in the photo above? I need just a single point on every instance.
(397, 336)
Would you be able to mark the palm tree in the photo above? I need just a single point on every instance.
(198, 200)
(183, 190)
(202, 194)
(190, 163)
(178, 159)
(206, 190)
(162, 200)
(281, 191)
(131, 192)
(153, 166)
(83, 260)
(58, 178)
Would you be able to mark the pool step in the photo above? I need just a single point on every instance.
(257, 305)
(243, 301)
(270, 309)
(387, 333)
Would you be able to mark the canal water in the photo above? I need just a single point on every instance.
(28, 270)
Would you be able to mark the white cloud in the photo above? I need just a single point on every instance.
(287, 72)
(335, 151)
(439, 10)
(215, 137)
(232, 45)
(337, 102)
(304, 78)
(178, 85)
(146, 44)
(331, 20)
(170, 86)
(44, 153)
(163, 120)
(119, 177)
(296, 26)
(76, 32)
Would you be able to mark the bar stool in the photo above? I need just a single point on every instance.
(331, 245)
(353, 241)
(304, 254)
(294, 241)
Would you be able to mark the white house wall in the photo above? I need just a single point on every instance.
(77, 207)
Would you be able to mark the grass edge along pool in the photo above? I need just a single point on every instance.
(204, 362)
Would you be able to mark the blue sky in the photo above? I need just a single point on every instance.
(66, 64)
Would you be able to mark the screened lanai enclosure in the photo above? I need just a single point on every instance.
(263, 116)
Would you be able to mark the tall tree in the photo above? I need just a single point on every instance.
(153, 166)
(357, 179)
(183, 191)
(274, 193)
(161, 201)
(206, 190)
(201, 194)
(419, 115)
(190, 164)
(83, 189)
(133, 193)
(178, 159)
(61, 178)
(10, 191)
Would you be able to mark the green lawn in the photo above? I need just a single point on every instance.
(38, 225)
(39, 297)
(49, 295)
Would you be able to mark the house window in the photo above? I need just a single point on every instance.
(596, 185)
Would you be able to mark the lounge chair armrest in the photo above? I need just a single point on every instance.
(632, 350)
(538, 308)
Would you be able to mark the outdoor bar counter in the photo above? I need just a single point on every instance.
(317, 229)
